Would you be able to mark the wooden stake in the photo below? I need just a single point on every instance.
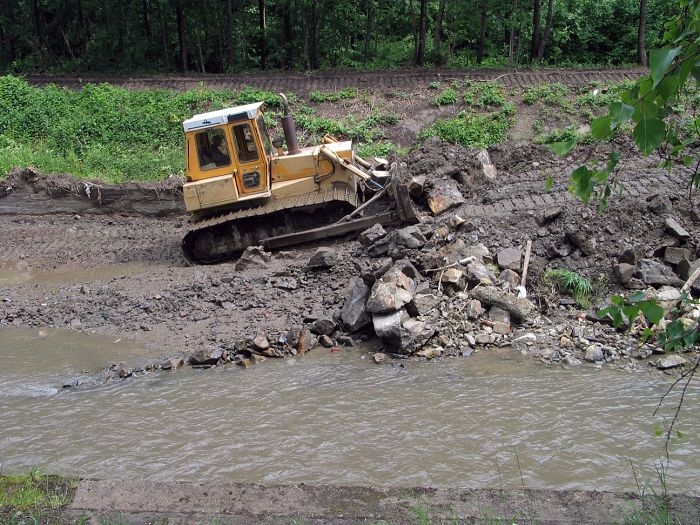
(526, 263)
(690, 281)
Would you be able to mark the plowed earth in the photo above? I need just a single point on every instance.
(108, 260)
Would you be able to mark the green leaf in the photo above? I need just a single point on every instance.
(620, 113)
(652, 311)
(549, 183)
(649, 133)
(582, 183)
(668, 87)
(601, 128)
(562, 148)
(660, 61)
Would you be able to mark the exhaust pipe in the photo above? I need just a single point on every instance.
(289, 128)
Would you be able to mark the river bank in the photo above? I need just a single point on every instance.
(176, 503)
(106, 259)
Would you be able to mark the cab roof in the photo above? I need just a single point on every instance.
(222, 116)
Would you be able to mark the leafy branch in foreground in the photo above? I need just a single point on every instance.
(662, 110)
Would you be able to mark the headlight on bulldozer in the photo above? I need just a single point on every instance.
(251, 179)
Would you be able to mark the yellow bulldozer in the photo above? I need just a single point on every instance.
(244, 189)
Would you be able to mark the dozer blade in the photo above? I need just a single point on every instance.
(325, 232)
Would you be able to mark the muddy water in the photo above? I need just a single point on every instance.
(337, 418)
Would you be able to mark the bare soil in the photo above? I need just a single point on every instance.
(104, 259)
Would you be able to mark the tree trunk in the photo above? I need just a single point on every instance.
(39, 24)
(181, 37)
(422, 30)
(313, 34)
(536, 28)
(482, 34)
(164, 38)
(368, 31)
(262, 42)
(228, 38)
(547, 30)
(287, 37)
(513, 35)
(437, 40)
(641, 34)
(146, 15)
(414, 28)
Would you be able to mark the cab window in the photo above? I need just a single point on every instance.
(246, 147)
(267, 144)
(212, 149)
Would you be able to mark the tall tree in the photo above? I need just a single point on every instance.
(437, 37)
(544, 38)
(180, 15)
(481, 44)
(419, 59)
(536, 28)
(369, 12)
(641, 34)
(262, 40)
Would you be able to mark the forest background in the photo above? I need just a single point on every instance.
(225, 36)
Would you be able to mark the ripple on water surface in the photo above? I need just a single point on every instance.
(338, 418)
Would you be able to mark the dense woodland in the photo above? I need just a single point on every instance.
(219, 36)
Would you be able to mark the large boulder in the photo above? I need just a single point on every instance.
(354, 315)
(400, 332)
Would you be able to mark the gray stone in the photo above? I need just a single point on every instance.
(324, 257)
(400, 332)
(425, 302)
(372, 235)
(571, 361)
(354, 315)
(391, 292)
(510, 277)
(346, 340)
(260, 342)
(325, 341)
(670, 361)
(480, 274)
(674, 255)
(206, 356)
(509, 258)
(655, 273)
(453, 277)
(673, 226)
(323, 326)
(485, 339)
(253, 257)
(623, 272)
(519, 307)
(479, 252)
(443, 196)
(582, 241)
(474, 310)
(284, 283)
(631, 255)
(409, 237)
(416, 186)
(500, 319)
(548, 215)
(594, 354)
(660, 204)
(171, 364)
(687, 268)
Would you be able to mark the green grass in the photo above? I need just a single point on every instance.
(446, 97)
(473, 129)
(34, 497)
(572, 284)
(333, 96)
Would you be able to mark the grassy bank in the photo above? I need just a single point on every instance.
(106, 132)
(34, 498)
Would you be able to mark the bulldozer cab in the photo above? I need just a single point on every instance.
(228, 151)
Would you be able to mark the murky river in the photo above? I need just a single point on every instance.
(485, 421)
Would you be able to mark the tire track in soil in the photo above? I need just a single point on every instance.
(382, 80)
